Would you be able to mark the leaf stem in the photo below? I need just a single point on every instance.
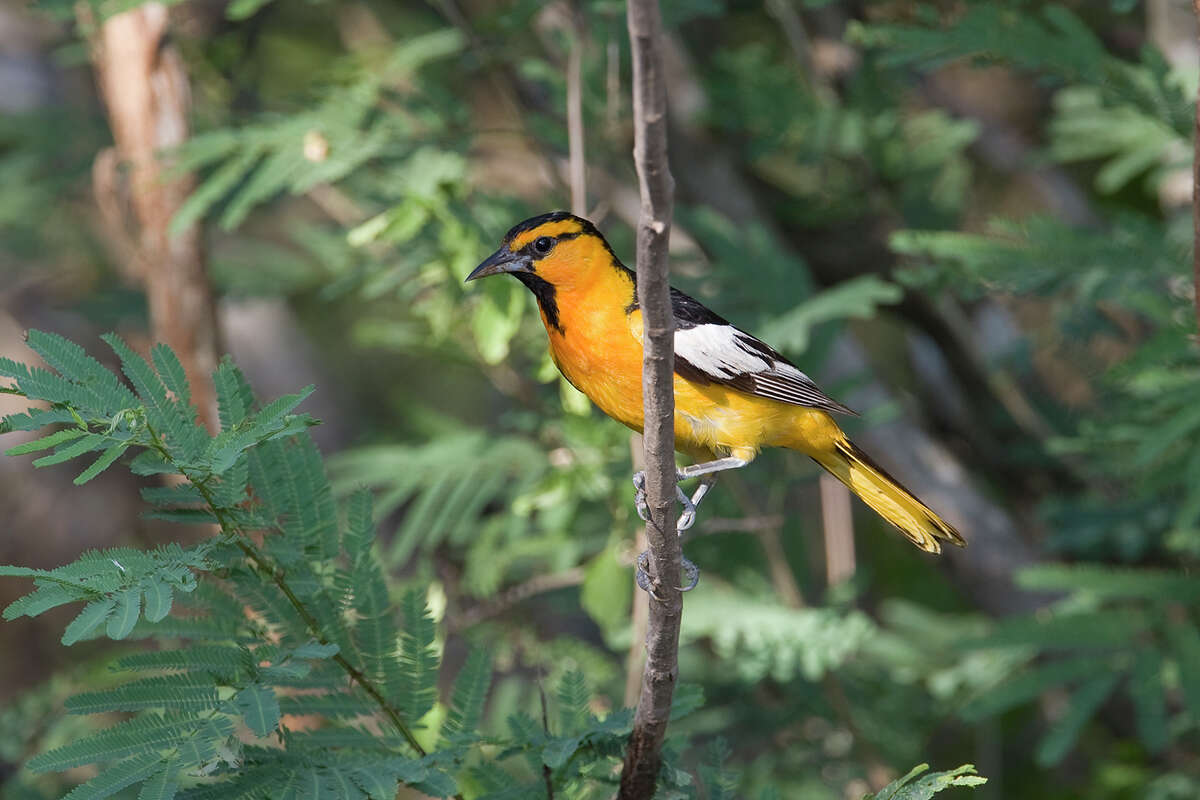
(260, 560)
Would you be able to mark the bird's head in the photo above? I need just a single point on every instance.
(558, 249)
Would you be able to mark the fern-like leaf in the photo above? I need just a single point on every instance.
(416, 687)
(1084, 703)
(469, 695)
(259, 707)
(1111, 582)
(133, 737)
(117, 777)
(194, 692)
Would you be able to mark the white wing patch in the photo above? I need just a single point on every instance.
(719, 351)
(716, 353)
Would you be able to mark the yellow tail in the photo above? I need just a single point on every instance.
(890, 500)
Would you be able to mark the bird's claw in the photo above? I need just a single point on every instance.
(686, 517)
(690, 571)
(639, 497)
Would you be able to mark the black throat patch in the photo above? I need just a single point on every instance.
(544, 292)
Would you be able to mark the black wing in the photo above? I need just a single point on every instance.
(710, 350)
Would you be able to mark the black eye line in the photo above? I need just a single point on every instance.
(562, 237)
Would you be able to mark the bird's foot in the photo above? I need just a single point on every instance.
(639, 497)
(686, 517)
(690, 571)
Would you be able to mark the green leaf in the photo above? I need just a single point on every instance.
(149, 731)
(172, 420)
(719, 783)
(102, 463)
(688, 698)
(469, 695)
(10, 571)
(171, 372)
(496, 321)
(244, 9)
(125, 615)
(416, 691)
(216, 186)
(193, 692)
(418, 50)
(162, 786)
(910, 787)
(557, 751)
(315, 650)
(46, 442)
(1111, 582)
(44, 598)
(224, 660)
(1185, 645)
(234, 397)
(1149, 701)
(1030, 684)
(573, 698)
(114, 778)
(82, 445)
(857, 298)
(98, 385)
(260, 708)
(90, 618)
(605, 594)
(1084, 703)
(158, 599)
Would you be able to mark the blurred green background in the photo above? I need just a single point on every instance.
(971, 221)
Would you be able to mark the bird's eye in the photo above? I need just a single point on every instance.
(543, 244)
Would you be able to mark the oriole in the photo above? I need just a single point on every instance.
(734, 394)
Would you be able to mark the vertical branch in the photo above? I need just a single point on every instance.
(838, 524)
(644, 754)
(147, 98)
(612, 87)
(578, 164)
(640, 607)
(1196, 197)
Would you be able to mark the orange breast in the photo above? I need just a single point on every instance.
(599, 356)
(599, 350)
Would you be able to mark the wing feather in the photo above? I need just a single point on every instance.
(710, 350)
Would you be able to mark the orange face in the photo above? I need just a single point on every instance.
(563, 251)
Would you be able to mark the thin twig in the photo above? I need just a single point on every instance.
(612, 87)
(769, 537)
(644, 754)
(640, 606)
(837, 523)
(1196, 197)
(511, 596)
(546, 771)
(753, 524)
(238, 537)
(575, 140)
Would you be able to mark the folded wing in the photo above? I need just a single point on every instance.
(709, 350)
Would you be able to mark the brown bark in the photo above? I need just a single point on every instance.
(644, 754)
(1196, 198)
(145, 90)
(640, 606)
(575, 138)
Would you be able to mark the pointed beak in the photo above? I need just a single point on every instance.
(503, 260)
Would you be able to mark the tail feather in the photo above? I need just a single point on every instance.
(887, 497)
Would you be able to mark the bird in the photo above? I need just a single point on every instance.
(734, 394)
